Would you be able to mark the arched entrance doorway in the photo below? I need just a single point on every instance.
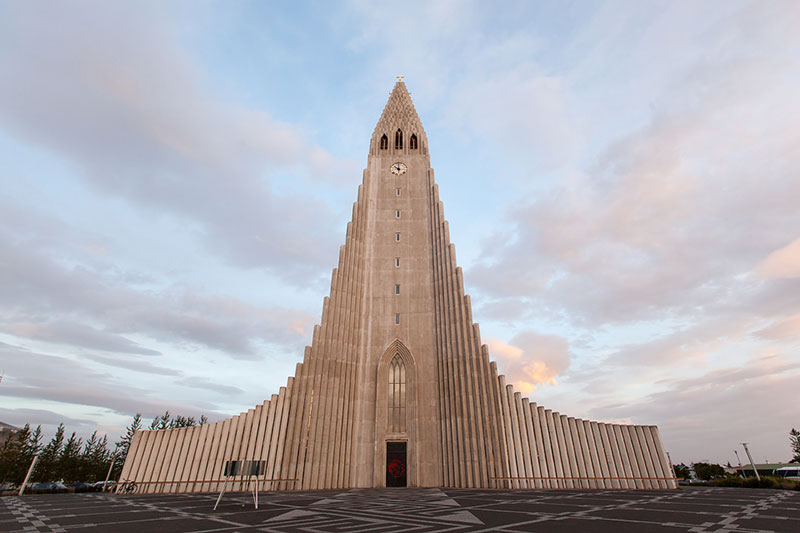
(395, 419)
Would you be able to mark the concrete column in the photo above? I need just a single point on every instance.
(532, 436)
(631, 445)
(586, 452)
(185, 455)
(538, 443)
(553, 434)
(666, 467)
(620, 436)
(655, 462)
(209, 456)
(548, 448)
(278, 439)
(138, 450)
(601, 455)
(200, 458)
(523, 440)
(610, 461)
(643, 457)
(513, 470)
(152, 460)
(562, 451)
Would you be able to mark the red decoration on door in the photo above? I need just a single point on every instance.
(397, 468)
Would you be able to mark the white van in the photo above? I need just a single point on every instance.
(788, 472)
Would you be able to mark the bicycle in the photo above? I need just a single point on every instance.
(126, 487)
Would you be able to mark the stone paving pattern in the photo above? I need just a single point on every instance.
(418, 510)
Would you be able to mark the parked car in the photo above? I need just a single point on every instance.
(81, 487)
(53, 487)
(788, 472)
(104, 485)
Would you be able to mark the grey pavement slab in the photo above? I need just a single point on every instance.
(418, 510)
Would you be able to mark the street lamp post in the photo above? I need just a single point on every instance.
(740, 462)
(108, 474)
(28, 475)
(747, 451)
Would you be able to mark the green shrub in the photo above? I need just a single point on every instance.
(766, 482)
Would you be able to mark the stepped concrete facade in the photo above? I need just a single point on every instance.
(396, 388)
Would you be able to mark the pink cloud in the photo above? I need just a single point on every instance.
(782, 263)
(530, 359)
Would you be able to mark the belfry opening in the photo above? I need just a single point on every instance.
(397, 388)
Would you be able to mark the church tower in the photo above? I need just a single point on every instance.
(396, 388)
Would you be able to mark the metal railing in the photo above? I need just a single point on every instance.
(595, 479)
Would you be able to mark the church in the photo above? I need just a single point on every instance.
(397, 388)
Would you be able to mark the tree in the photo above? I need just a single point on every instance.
(794, 442)
(681, 471)
(124, 444)
(17, 453)
(125, 441)
(165, 421)
(161, 422)
(48, 467)
(707, 471)
(69, 462)
(95, 459)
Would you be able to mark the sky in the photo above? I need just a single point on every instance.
(621, 178)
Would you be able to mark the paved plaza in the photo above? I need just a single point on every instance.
(420, 510)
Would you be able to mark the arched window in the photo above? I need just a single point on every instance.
(412, 142)
(384, 142)
(398, 139)
(397, 396)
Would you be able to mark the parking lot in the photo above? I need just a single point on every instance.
(422, 510)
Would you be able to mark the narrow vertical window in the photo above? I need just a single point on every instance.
(397, 289)
(396, 420)
(397, 191)
(397, 236)
(412, 142)
(397, 318)
(384, 142)
(397, 261)
(398, 139)
(397, 213)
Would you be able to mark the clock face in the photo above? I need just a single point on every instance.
(399, 168)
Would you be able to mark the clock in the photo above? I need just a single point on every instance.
(398, 169)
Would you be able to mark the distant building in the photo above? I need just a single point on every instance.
(764, 469)
(397, 389)
(6, 432)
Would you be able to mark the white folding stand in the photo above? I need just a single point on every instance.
(249, 483)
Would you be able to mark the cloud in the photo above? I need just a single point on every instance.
(206, 384)
(672, 213)
(20, 417)
(45, 377)
(686, 345)
(709, 415)
(49, 421)
(110, 89)
(34, 286)
(781, 329)
(523, 110)
(530, 359)
(76, 334)
(782, 263)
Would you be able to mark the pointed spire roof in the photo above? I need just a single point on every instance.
(399, 112)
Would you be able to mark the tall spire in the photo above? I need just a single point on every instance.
(400, 113)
